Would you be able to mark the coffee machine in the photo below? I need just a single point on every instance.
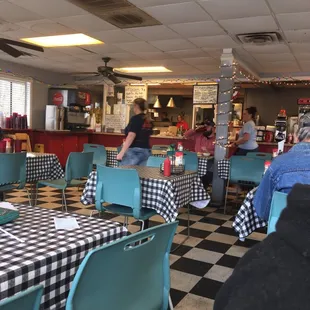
(281, 126)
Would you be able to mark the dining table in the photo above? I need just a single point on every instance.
(41, 254)
(163, 194)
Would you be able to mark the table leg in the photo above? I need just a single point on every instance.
(1, 196)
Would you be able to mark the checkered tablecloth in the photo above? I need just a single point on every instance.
(202, 162)
(223, 167)
(246, 221)
(48, 256)
(41, 166)
(165, 195)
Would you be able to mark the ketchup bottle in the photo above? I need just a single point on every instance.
(167, 167)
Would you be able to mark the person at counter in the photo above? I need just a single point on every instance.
(247, 135)
(136, 148)
(182, 123)
(164, 117)
(285, 170)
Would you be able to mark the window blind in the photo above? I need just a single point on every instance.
(15, 97)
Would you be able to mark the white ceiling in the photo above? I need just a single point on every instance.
(189, 41)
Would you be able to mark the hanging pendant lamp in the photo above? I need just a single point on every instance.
(171, 103)
(157, 104)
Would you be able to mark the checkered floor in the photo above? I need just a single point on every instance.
(199, 267)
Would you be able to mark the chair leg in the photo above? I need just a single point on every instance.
(170, 303)
(188, 230)
(142, 224)
(226, 195)
(64, 202)
(125, 224)
(29, 197)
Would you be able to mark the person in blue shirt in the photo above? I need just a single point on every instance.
(247, 135)
(285, 170)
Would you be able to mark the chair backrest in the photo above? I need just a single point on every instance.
(191, 161)
(119, 186)
(13, 168)
(155, 161)
(79, 165)
(278, 203)
(100, 153)
(160, 147)
(126, 274)
(246, 170)
(26, 300)
(265, 156)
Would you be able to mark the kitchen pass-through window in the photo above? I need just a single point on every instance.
(14, 97)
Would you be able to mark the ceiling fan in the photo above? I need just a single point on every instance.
(5, 46)
(108, 72)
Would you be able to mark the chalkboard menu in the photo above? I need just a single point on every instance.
(205, 94)
(133, 92)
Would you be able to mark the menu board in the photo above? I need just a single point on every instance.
(118, 122)
(133, 92)
(205, 94)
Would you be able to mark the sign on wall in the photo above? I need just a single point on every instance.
(205, 94)
(133, 92)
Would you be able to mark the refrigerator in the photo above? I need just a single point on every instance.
(54, 117)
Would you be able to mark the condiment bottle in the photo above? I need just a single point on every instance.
(180, 147)
(167, 167)
(267, 165)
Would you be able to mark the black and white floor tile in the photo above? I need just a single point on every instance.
(199, 267)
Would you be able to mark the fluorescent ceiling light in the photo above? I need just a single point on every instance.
(142, 69)
(63, 40)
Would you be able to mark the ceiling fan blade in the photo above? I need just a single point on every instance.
(113, 78)
(10, 50)
(85, 73)
(126, 76)
(24, 45)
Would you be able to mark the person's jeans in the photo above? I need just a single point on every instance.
(135, 156)
(243, 152)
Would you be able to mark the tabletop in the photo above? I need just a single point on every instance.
(48, 256)
(163, 194)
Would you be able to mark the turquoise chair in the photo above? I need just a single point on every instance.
(278, 203)
(265, 156)
(78, 166)
(245, 171)
(100, 153)
(132, 273)
(160, 147)
(155, 161)
(122, 189)
(25, 300)
(191, 161)
(13, 172)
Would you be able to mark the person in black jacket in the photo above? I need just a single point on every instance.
(275, 274)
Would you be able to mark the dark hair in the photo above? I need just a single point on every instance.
(141, 103)
(252, 111)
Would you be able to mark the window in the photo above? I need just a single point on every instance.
(14, 97)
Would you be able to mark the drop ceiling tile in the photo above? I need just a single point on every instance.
(167, 62)
(281, 66)
(137, 46)
(136, 63)
(300, 47)
(266, 49)
(146, 3)
(124, 56)
(198, 29)
(223, 9)
(213, 52)
(274, 57)
(294, 21)
(209, 69)
(114, 36)
(50, 9)
(13, 13)
(297, 36)
(184, 69)
(172, 45)
(152, 33)
(46, 27)
(178, 13)
(305, 65)
(289, 6)
(200, 61)
(85, 23)
(222, 41)
(302, 56)
(153, 55)
(22, 33)
(72, 50)
(196, 52)
(104, 49)
(249, 24)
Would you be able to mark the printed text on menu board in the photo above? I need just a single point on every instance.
(206, 94)
(133, 92)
